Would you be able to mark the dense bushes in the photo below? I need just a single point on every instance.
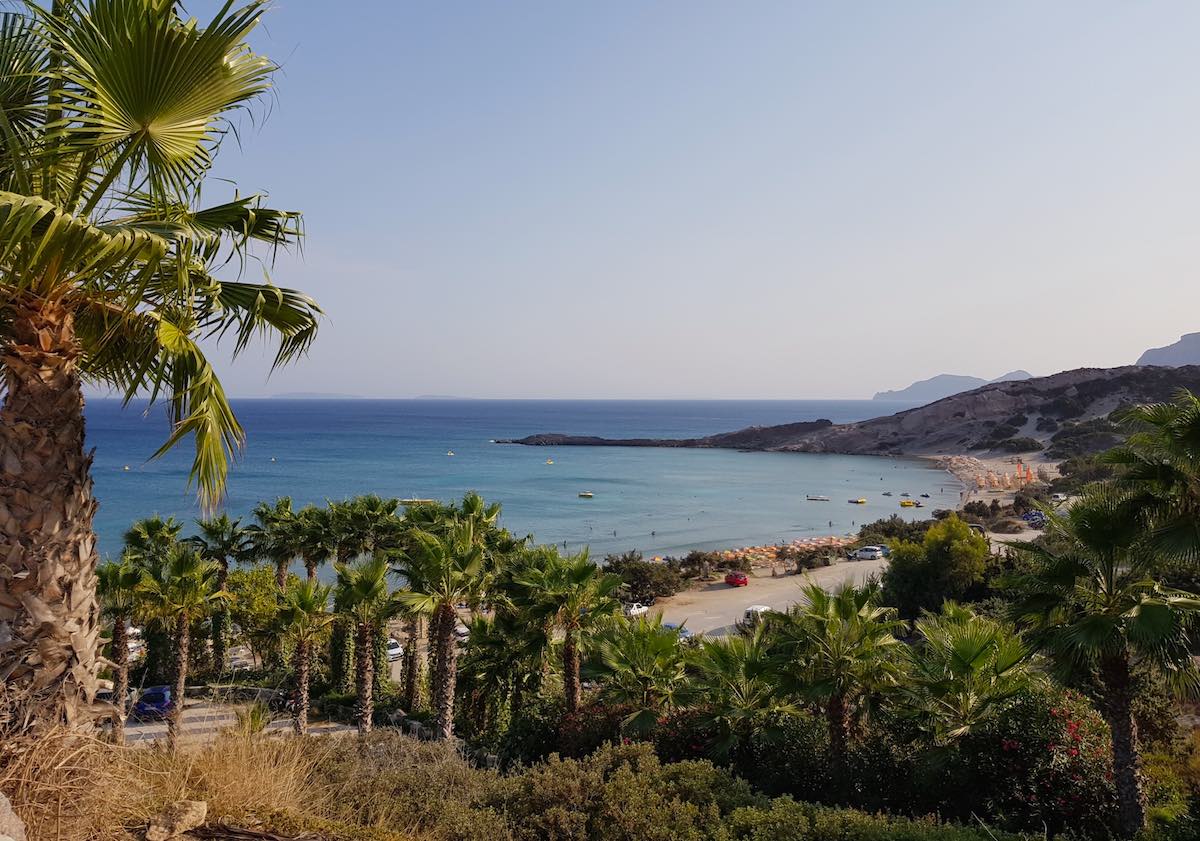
(619, 793)
(949, 560)
(644, 581)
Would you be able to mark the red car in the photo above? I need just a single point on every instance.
(736, 579)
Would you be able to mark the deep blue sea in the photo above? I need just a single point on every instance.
(656, 501)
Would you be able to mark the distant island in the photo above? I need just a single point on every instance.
(944, 385)
(1186, 351)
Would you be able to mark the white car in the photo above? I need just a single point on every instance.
(636, 609)
(461, 632)
(868, 553)
(753, 615)
(394, 650)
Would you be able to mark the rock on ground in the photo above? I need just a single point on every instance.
(12, 827)
(177, 819)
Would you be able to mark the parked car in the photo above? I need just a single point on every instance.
(636, 609)
(868, 553)
(154, 703)
(753, 615)
(394, 650)
(684, 633)
(736, 579)
(461, 632)
(1058, 499)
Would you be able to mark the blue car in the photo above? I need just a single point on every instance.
(684, 633)
(155, 703)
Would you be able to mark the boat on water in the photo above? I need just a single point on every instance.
(907, 503)
(859, 501)
(918, 504)
(924, 496)
(887, 493)
(449, 452)
(586, 494)
(549, 461)
(812, 498)
(906, 494)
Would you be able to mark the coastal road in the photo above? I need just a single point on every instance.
(714, 608)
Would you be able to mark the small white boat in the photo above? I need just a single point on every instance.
(586, 494)
(812, 498)
(549, 461)
(449, 452)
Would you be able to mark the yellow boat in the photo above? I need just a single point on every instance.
(859, 501)
(907, 503)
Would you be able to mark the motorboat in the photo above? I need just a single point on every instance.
(549, 461)
(859, 501)
(812, 498)
(906, 494)
(887, 493)
(907, 503)
(586, 494)
(924, 496)
(449, 452)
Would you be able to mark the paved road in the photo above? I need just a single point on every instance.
(715, 608)
(202, 721)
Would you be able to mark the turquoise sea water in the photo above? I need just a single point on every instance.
(657, 501)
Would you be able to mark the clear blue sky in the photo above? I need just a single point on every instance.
(713, 199)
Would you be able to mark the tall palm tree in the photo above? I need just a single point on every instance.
(221, 540)
(1093, 606)
(362, 597)
(276, 536)
(1160, 464)
(572, 595)
(963, 671)
(639, 664)
(304, 618)
(734, 683)
(117, 584)
(442, 571)
(109, 264)
(316, 538)
(838, 650)
(181, 590)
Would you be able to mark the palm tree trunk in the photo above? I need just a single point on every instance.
(49, 615)
(447, 674)
(365, 673)
(310, 568)
(182, 644)
(281, 573)
(570, 656)
(838, 719)
(119, 654)
(1118, 710)
(301, 708)
(383, 669)
(412, 664)
(341, 657)
(218, 619)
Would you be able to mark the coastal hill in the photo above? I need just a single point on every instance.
(981, 420)
(1186, 351)
(944, 385)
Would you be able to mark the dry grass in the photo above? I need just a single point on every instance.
(71, 788)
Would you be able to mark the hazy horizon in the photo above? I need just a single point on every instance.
(778, 201)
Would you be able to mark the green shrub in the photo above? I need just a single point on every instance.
(583, 731)
(532, 732)
(1018, 445)
(645, 580)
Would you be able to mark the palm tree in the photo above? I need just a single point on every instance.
(304, 618)
(734, 682)
(442, 571)
(114, 111)
(316, 538)
(362, 598)
(221, 540)
(838, 650)
(1160, 470)
(178, 592)
(148, 541)
(572, 595)
(117, 585)
(639, 664)
(1093, 606)
(276, 536)
(963, 671)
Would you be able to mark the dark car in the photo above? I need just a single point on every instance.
(154, 703)
(736, 579)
